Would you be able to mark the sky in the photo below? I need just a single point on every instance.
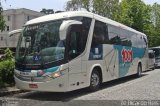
(34, 4)
(37, 5)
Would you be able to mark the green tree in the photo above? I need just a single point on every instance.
(142, 17)
(106, 8)
(134, 13)
(154, 37)
(74, 5)
(2, 22)
(155, 15)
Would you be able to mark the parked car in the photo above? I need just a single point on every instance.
(151, 61)
(157, 56)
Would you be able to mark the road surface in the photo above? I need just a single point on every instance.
(118, 92)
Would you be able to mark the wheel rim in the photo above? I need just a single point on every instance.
(94, 80)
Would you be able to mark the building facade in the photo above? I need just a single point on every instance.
(15, 19)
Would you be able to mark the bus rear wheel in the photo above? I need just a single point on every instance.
(139, 70)
(95, 80)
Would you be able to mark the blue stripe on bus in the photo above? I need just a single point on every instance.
(53, 69)
(49, 70)
(124, 66)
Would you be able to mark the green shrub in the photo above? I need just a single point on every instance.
(8, 54)
(7, 69)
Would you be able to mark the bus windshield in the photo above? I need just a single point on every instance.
(40, 43)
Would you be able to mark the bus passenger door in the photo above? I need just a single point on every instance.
(75, 63)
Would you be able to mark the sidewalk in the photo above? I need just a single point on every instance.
(10, 91)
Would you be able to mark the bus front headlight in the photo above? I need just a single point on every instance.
(56, 74)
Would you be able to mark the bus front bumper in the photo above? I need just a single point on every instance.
(54, 85)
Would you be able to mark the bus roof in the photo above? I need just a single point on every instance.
(79, 13)
(61, 15)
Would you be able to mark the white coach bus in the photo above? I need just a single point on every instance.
(72, 50)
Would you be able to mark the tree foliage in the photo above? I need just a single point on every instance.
(154, 37)
(106, 8)
(2, 22)
(134, 14)
(155, 15)
(73, 5)
(7, 66)
(47, 11)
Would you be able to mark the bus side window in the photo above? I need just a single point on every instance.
(141, 41)
(99, 34)
(144, 40)
(134, 39)
(113, 33)
(75, 41)
(78, 37)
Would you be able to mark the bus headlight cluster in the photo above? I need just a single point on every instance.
(54, 75)
(58, 73)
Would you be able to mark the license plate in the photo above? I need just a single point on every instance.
(33, 86)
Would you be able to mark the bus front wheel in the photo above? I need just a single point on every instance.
(95, 80)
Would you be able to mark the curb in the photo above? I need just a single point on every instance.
(5, 93)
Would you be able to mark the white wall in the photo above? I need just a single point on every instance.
(18, 17)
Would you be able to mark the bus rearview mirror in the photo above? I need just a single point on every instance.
(64, 27)
(14, 32)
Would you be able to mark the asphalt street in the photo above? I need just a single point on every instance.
(117, 92)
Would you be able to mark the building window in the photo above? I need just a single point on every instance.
(7, 28)
(1, 37)
(9, 18)
(28, 18)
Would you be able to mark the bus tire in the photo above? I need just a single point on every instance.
(153, 68)
(95, 80)
(139, 70)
